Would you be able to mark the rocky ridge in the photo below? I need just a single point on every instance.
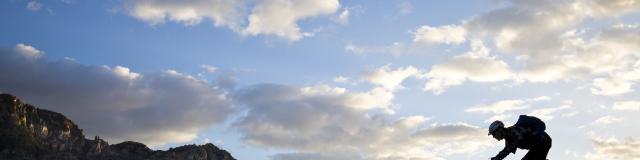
(29, 133)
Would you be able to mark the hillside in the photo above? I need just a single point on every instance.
(29, 133)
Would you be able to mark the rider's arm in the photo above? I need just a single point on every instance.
(509, 147)
(510, 143)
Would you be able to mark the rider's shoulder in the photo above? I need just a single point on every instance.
(516, 130)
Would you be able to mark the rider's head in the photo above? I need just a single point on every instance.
(496, 130)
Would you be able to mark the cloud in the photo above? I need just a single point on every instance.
(395, 48)
(317, 156)
(548, 39)
(391, 79)
(320, 123)
(505, 109)
(115, 102)
(341, 79)
(610, 87)
(547, 114)
(604, 120)
(617, 83)
(453, 138)
(343, 17)
(548, 42)
(500, 107)
(209, 68)
(448, 131)
(192, 12)
(448, 34)
(475, 65)
(28, 51)
(34, 6)
(269, 17)
(614, 149)
(279, 17)
(404, 7)
(499, 117)
(626, 105)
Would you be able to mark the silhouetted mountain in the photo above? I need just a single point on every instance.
(29, 133)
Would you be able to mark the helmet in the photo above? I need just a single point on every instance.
(494, 126)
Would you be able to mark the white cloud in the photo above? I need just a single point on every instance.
(448, 34)
(124, 72)
(547, 114)
(395, 48)
(505, 109)
(209, 68)
(322, 123)
(280, 17)
(500, 117)
(115, 102)
(610, 87)
(604, 120)
(192, 12)
(454, 138)
(500, 107)
(541, 98)
(475, 65)
(34, 6)
(341, 79)
(269, 17)
(343, 17)
(614, 149)
(549, 37)
(549, 42)
(28, 51)
(626, 105)
(343, 155)
(391, 79)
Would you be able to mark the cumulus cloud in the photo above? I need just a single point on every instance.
(475, 65)
(191, 12)
(547, 114)
(614, 149)
(618, 83)
(209, 68)
(269, 17)
(626, 105)
(115, 102)
(323, 123)
(34, 6)
(448, 34)
(547, 36)
(610, 86)
(280, 17)
(453, 138)
(500, 107)
(549, 42)
(394, 48)
(604, 120)
(317, 156)
(28, 51)
(341, 79)
(505, 109)
(391, 79)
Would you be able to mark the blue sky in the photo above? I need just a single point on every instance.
(330, 79)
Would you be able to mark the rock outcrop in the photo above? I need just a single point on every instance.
(29, 133)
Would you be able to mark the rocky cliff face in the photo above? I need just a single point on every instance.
(29, 133)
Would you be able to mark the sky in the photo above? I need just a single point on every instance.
(332, 79)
